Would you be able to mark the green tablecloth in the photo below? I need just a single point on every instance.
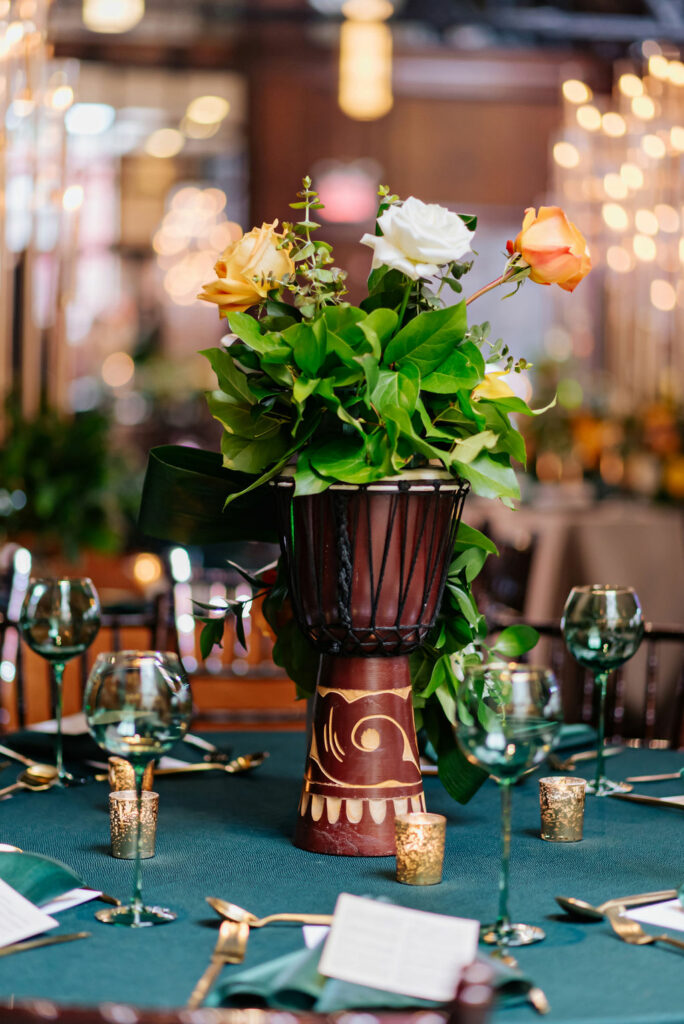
(230, 836)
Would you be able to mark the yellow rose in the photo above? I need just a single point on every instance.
(248, 269)
(492, 387)
(553, 247)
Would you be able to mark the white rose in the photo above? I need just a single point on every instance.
(418, 238)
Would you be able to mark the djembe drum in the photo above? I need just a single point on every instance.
(366, 566)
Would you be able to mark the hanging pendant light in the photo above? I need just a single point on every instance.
(112, 15)
(365, 77)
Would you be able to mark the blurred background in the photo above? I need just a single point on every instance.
(134, 131)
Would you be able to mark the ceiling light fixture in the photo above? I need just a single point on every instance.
(112, 15)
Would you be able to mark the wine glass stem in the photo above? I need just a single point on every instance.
(601, 679)
(136, 899)
(57, 674)
(503, 920)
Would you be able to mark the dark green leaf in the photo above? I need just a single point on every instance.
(489, 477)
(454, 373)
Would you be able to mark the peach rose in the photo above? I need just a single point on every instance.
(553, 247)
(248, 269)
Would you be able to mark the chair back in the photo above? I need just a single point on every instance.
(645, 702)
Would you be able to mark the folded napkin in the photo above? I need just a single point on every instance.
(292, 982)
(576, 734)
(40, 879)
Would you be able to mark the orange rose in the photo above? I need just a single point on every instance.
(248, 269)
(553, 247)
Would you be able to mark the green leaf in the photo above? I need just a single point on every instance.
(246, 455)
(396, 390)
(513, 404)
(232, 381)
(469, 562)
(344, 460)
(240, 420)
(211, 634)
(307, 480)
(489, 477)
(308, 341)
(428, 338)
(516, 640)
(247, 329)
(468, 536)
(467, 450)
(377, 327)
(454, 373)
(460, 778)
(40, 879)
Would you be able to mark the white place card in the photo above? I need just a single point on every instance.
(411, 952)
(19, 918)
(72, 725)
(663, 915)
(70, 899)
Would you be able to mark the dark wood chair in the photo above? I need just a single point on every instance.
(644, 711)
(501, 586)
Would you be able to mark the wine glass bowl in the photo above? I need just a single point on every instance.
(602, 626)
(509, 715)
(59, 620)
(137, 705)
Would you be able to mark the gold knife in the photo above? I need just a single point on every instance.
(656, 778)
(651, 801)
(50, 940)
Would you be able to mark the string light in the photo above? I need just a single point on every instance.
(565, 154)
(588, 117)
(575, 91)
(112, 16)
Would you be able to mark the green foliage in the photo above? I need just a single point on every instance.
(354, 394)
(78, 494)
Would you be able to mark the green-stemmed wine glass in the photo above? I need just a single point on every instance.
(509, 715)
(137, 705)
(602, 627)
(59, 620)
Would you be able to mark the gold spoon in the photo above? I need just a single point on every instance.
(231, 912)
(586, 911)
(28, 761)
(36, 777)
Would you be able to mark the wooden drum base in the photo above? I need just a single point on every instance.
(362, 767)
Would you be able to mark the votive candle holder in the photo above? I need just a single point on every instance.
(122, 774)
(420, 839)
(123, 821)
(561, 801)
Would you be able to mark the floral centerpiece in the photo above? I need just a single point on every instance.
(340, 394)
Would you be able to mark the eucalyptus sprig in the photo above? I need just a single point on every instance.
(316, 282)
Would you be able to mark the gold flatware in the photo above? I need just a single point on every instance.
(243, 763)
(650, 801)
(229, 949)
(586, 911)
(535, 996)
(36, 777)
(211, 751)
(656, 778)
(50, 940)
(231, 912)
(571, 762)
(632, 932)
(29, 762)
(104, 897)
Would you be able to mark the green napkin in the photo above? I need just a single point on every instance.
(292, 982)
(577, 734)
(40, 879)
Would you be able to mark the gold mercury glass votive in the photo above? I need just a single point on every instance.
(123, 822)
(122, 774)
(420, 847)
(561, 800)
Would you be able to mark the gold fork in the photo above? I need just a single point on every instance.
(632, 932)
(229, 949)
